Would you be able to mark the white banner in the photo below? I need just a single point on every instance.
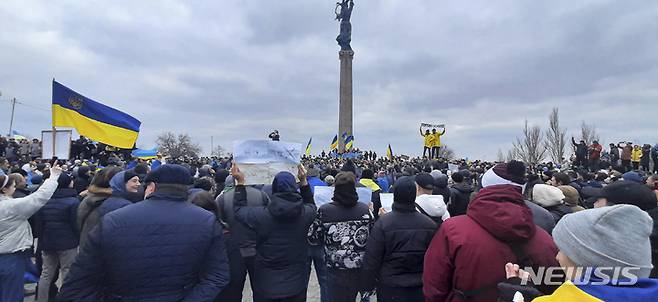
(261, 160)
(426, 125)
(323, 195)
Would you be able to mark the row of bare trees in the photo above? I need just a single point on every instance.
(535, 145)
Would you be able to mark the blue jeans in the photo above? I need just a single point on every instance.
(12, 268)
(317, 256)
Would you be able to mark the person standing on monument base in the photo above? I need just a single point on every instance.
(436, 147)
(428, 142)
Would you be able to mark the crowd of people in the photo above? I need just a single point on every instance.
(182, 229)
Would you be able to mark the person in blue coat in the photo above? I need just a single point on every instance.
(161, 249)
(59, 235)
(282, 257)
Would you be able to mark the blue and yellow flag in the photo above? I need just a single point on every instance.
(389, 152)
(92, 119)
(308, 147)
(349, 143)
(334, 143)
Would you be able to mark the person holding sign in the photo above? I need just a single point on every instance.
(437, 142)
(281, 263)
(428, 142)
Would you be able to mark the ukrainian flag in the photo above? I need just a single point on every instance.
(349, 142)
(334, 143)
(92, 119)
(308, 147)
(389, 152)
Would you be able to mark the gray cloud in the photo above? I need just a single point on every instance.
(238, 69)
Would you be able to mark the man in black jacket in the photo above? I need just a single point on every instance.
(396, 248)
(282, 266)
(581, 152)
(460, 194)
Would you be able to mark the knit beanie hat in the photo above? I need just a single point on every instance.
(571, 196)
(603, 237)
(345, 189)
(511, 173)
(547, 196)
(404, 190)
(64, 181)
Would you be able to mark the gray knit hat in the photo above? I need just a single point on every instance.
(614, 236)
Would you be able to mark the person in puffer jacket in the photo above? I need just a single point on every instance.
(282, 251)
(90, 210)
(428, 204)
(396, 247)
(162, 249)
(59, 236)
(552, 199)
(343, 226)
(464, 260)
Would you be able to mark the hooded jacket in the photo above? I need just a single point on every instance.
(57, 221)
(434, 207)
(460, 196)
(282, 258)
(636, 155)
(343, 226)
(470, 251)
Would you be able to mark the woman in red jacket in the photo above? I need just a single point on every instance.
(464, 259)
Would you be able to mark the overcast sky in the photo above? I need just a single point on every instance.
(238, 69)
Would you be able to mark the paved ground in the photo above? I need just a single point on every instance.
(312, 295)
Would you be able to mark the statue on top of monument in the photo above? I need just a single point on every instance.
(343, 13)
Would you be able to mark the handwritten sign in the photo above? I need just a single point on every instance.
(323, 195)
(387, 201)
(261, 160)
(432, 125)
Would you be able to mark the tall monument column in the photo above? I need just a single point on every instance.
(345, 101)
(346, 54)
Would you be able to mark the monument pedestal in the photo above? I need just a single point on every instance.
(345, 97)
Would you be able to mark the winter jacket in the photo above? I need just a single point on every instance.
(470, 251)
(581, 149)
(441, 188)
(595, 151)
(161, 249)
(396, 247)
(282, 259)
(460, 196)
(542, 217)
(636, 155)
(93, 207)
(646, 155)
(343, 230)
(558, 211)
(57, 221)
(35, 149)
(626, 151)
(654, 242)
(434, 207)
(15, 231)
(243, 237)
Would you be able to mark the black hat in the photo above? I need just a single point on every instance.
(170, 174)
(626, 192)
(64, 181)
(404, 190)
(425, 181)
(349, 167)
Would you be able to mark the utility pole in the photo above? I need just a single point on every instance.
(211, 146)
(11, 121)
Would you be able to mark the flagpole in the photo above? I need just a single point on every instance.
(54, 129)
(11, 121)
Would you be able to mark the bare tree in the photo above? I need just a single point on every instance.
(500, 157)
(588, 133)
(446, 153)
(509, 156)
(530, 148)
(218, 151)
(555, 137)
(177, 145)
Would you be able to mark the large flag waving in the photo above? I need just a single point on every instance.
(92, 119)
(389, 152)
